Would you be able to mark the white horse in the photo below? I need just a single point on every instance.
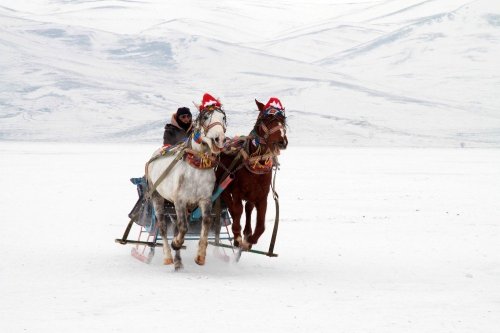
(189, 183)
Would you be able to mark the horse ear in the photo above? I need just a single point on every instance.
(260, 105)
(197, 106)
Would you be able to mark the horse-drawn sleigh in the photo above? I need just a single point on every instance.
(183, 183)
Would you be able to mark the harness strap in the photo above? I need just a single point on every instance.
(244, 154)
(165, 174)
(231, 166)
(268, 132)
(264, 128)
(277, 217)
(207, 128)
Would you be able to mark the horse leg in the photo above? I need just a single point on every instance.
(236, 227)
(206, 207)
(236, 209)
(181, 230)
(178, 240)
(248, 219)
(260, 225)
(177, 260)
(159, 205)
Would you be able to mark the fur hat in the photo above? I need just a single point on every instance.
(209, 100)
(182, 111)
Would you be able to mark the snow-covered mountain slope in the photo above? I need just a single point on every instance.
(404, 73)
(450, 56)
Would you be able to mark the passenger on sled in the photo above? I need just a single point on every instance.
(179, 128)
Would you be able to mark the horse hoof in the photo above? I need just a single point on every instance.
(245, 246)
(237, 241)
(168, 261)
(200, 260)
(178, 266)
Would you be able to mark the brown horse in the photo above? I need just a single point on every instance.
(251, 163)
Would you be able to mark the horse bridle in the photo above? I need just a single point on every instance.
(200, 123)
(211, 110)
(267, 132)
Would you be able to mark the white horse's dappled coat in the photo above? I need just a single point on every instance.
(187, 187)
(184, 184)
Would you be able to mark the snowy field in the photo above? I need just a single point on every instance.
(370, 240)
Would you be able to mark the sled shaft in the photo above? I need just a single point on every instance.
(150, 244)
(269, 254)
(222, 186)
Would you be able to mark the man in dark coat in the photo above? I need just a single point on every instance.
(179, 127)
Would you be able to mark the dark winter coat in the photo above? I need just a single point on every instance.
(174, 133)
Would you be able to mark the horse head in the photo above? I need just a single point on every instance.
(270, 128)
(210, 126)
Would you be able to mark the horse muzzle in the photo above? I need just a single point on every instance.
(215, 145)
(283, 143)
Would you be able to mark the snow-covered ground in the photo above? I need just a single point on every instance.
(370, 240)
(357, 72)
